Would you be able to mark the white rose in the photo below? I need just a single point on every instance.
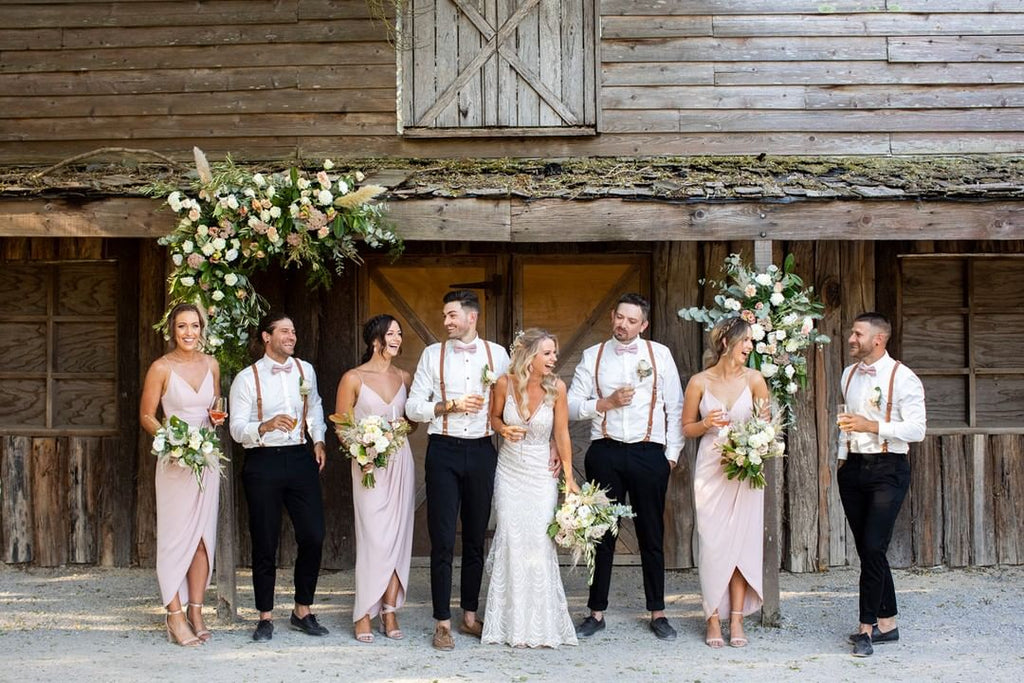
(217, 295)
(354, 450)
(174, 201)
(777, 287)
(232, 201)
(325, 197)
(206, 448)
(159, 443)
(303, 183)
(208, 249)
(789, 318)
(360, 177)
(763, 279)
(219, 243)
(761, 348)
(342, 187)
(259, 180)
(790, 371)
(807, 326)
(249, 192)
(275, 212)
(381, 445)
(177, 259)
(769, 369)
(732, 304)
(231, 279)
(271, 191)
(187, 281)
(265, 216)
(328, 164)
(757, 332)
(194, 440)
(777, 299)
(187, 246)
(231, 255)
(214, 340)
(792, 345)
(202, 230)
(755, 459)
(791, 388)
(749, 291)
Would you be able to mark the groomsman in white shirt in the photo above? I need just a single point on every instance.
(885, 413)
(629, 389)
(451, 391)
(274, 404)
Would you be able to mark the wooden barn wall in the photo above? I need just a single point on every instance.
(272, 79)
(82, 499)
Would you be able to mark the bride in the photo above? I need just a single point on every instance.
(526, 604)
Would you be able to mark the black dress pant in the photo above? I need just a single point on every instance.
(872, 488)
(637, 474)
(286, 476)
(459, 476)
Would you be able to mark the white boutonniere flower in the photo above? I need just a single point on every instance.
(876, 398)
(488, 376)
(644, 369)
(304, 387)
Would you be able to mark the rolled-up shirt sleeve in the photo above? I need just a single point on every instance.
(241, 405)
(673, 394)
(582, 401)
(419, 407)
(911, 423)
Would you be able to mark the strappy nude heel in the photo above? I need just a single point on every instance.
(366, 637)
(739, 641)
(173, 638)
(395, 633)
(715, 643)
(203, 635)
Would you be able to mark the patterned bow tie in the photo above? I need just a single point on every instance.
(467, 348)
(281, 368)
(866, 370)
(631, 348)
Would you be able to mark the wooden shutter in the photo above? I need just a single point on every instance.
(498, 67)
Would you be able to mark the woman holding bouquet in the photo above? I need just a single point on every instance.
(526, 604)
(383, 513)
(184, 383)
(730, 512)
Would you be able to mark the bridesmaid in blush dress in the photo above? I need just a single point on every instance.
(184, 383)
(730, 513)
(383, 514)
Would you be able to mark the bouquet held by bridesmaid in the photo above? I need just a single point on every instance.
(371, 441)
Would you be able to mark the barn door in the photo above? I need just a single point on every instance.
(411, 290)
(498, 67)
(572, 296)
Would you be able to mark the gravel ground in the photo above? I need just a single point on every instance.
(104, 625)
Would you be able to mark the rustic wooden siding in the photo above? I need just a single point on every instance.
(281, 78)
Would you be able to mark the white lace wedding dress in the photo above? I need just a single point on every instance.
(526, 604)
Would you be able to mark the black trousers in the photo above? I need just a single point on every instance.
(634, 473)
(275, 477)
(459, 476)
(872, 488)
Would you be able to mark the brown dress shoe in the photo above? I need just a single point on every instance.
(443, 638)
(476, 629)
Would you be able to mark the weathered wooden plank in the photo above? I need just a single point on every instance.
(994, 6)
(653, 73)
(16, 503)
(422, 88)
(125, 217)
(470, 96)
(191, 80)
(124, 14)
(550, 53)
(528, 50)
(956, 502)
(489, 95)
(893, 120)
(30, 39)
(476, 220)
(926, 503)
(82, 453)
(677, 272)
(853, 73)
(910, 97)
(869, 24)
(703, 97)
(614, 27)
(302, 33)
(957, 143)
(508, 110)
(571, 57)
(684, 7)
(956, 49)
(446, 65)
(189, 57)
(333, 9)
(1008, 477)
(115, 518)
(49, 503)
(742, 49)
(983, 536)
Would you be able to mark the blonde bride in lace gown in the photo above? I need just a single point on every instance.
(526, 604)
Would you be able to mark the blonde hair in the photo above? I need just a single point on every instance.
(726, 333)
(524, 349)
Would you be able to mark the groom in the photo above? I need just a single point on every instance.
(449, 391)
(629, 389)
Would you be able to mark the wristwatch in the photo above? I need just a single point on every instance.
(449, 405)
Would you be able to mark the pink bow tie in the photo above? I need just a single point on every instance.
(281, 368)
(468, 348)
(867, 370)
(619, 350)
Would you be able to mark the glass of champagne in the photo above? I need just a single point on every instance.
(841, 409)
(218, 410)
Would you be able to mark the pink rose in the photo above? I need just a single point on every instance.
(195, 260)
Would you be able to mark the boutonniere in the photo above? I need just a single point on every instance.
(488, 376)
(876, 398)
(644, 369)
(304, 387)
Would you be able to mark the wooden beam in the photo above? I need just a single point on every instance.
(16, 502)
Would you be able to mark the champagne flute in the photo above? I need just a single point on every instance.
(841, 409)
(218, 410)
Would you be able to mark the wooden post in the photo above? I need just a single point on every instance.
(49, 503)
(16, 502)
(82, 504)
(770, 612)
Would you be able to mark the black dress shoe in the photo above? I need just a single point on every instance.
(589, 627)
(877, 636)
(308, 625)
(862, 645)
(264, 631)
(662, 629)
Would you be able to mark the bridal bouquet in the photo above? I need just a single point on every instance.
(370, 441)
(582, 521)
(745, 447)
(191, 448)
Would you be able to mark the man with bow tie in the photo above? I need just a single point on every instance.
(629, 389)
(274, 405)
(451, 391)
(885, 414)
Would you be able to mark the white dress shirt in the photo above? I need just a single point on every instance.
(280, 392)
(867, 396)
(629, 423)
(463, 375)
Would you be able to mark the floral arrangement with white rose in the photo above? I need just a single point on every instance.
(371, 442)
(582, 520)
(234, 220)
(781, 312)
(191, 448)
(487, 376)
(746, 445)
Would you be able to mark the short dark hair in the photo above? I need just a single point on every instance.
(875, 319)
(636, 300)
(376, 329)
(466, 297)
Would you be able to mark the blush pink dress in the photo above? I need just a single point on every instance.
(383, 514)
(730, 519)
(185, 515)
